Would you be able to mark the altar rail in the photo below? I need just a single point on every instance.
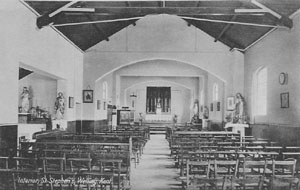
(152, 118)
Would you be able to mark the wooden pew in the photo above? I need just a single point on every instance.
(115, 147)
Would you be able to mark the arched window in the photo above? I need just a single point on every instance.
(215, 92)
(259, 95)
(104, 90)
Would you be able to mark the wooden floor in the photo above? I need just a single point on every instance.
(156, 169)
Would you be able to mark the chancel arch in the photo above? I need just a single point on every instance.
(129, 87)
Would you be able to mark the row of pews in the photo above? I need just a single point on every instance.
(62, 160)
(226, 160)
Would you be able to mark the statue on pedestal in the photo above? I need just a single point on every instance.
(60, 106)
(25, 100)
(205, 112)
(175, 119)
(140, 118)
(158, 106)
(195, 118)
(240, 111)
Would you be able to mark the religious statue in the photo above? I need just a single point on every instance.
(196, 107)
(239, 113)
(205, 112)
(195, 118)
(60, 106)
(25, 100)
(140, 119)
(158, 106)
(158, 103)
(175, 119)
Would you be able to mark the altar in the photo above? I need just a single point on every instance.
(157, 118)
(59, 124)
(237, 128)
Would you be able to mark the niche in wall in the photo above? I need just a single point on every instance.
(42, 91)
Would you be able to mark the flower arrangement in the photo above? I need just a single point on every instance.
(228, 117)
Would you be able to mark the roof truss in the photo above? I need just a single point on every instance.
(227, 15)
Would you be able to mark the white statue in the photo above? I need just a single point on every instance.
(25, 100)
(158, 106)
(140, 119)
(195, 118)
(239, 114)
(196, 107)
(60, 106)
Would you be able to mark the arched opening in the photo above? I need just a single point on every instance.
(187, 83)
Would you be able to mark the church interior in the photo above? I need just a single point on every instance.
(157, 95)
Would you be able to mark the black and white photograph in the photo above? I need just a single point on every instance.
(88, 96)
(284, 100)
(71, 102)
(150, 94)
(230, 103)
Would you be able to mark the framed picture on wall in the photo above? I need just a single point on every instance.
(284, 99)
(71, 102)
(87, 96)
(218, 106)
(230, 103)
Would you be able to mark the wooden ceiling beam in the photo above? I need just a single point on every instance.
(62, 8)
(225, 29)
(167, 10)
(128, 4)
(228, 42)
(46, 19)
(49, 18)
(281, 19)
(100, 30)
(285, 21)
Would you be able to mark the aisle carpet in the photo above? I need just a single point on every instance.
(156, 169)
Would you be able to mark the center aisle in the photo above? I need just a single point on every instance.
(156, 169)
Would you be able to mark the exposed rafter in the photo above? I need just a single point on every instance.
(236, 23)
(282, 19)
(47, 18)
(232, 22)
(263, 7)
(129, 5)
(229, 42)
(98, 29)
(62, 8)
(141, 11)
(85, 10)
(167, 10)
(225, 29)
